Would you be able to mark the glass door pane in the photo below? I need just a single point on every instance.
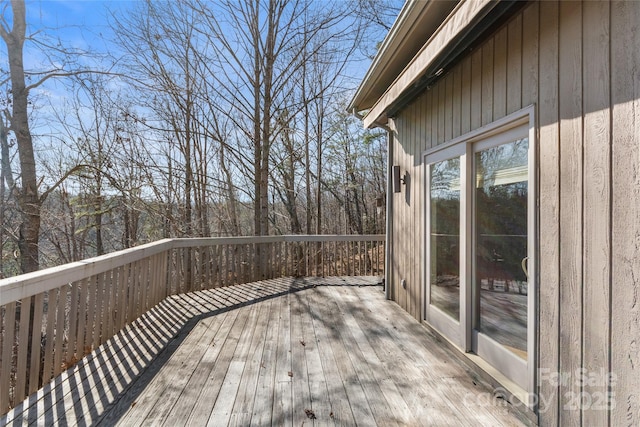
(500, 228)
(444, 235)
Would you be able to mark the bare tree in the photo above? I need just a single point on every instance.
(163, 49)
(354, 172)
(29, 198)
(13, 28)
(7, 186)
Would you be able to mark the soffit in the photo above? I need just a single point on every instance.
(417, 21)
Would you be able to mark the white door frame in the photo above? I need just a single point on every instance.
(462, 333)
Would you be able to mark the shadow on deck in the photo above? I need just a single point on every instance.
(276, 352)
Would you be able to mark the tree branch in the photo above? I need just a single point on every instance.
(57, 184)
(69, 74)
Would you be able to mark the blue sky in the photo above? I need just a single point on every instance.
(82, 23)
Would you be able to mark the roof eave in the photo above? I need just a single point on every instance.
(401, 35)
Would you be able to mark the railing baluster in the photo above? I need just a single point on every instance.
(166, 273)
(184, 268)
(351, 258)
(321, 257)
(345, 261)
(206, 267)
(101, 319)
(83, 307)
(134, 286)
(151, 282)
(7, 356)
(130, 286)
(157, 283)
(145, 286)
(161, 277)
(36, 340)
(48, 346)
(228, 272)
(277, 248)
(172, 272)
(111, 311)
(217, 274)
(60, 329)
(19, 392)
(139, 277)
(92, 318)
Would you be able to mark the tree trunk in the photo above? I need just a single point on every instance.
(231, 194)
(28, 198)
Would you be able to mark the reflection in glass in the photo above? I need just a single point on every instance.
(501, 243)
(445, 236)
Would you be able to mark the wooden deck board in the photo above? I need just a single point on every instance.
(299, 374)
(387, 406)
(192, 392)
(341, 411)
(282, 404)
(262, 409)
(281, 352)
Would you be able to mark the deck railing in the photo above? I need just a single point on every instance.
(51, 318)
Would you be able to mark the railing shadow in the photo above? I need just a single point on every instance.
(101, 387)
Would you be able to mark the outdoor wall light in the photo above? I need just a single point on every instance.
(397, 179)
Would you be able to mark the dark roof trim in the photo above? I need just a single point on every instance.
(482, 28)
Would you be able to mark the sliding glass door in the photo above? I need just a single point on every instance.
(444, 246)
(480, 246)
(501, 254)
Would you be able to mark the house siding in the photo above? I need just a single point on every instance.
(579, 63)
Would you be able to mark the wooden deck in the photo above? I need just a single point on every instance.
(278, 352)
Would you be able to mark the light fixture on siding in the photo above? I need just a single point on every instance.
(397, 179)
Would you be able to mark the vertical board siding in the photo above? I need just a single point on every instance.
(465, 96)
(513, 79)
(476, 89)
(433, 115)
(571, 134)
(456, 100)
(486, 104)
(625, 313)
(408, 199)
(597, 195)
(549, 213)
(442, 111)
(414, 202)
(448, 107)
(500, 74)
(579, 63)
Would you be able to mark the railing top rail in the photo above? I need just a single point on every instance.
(212, 241)
(26, 285)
